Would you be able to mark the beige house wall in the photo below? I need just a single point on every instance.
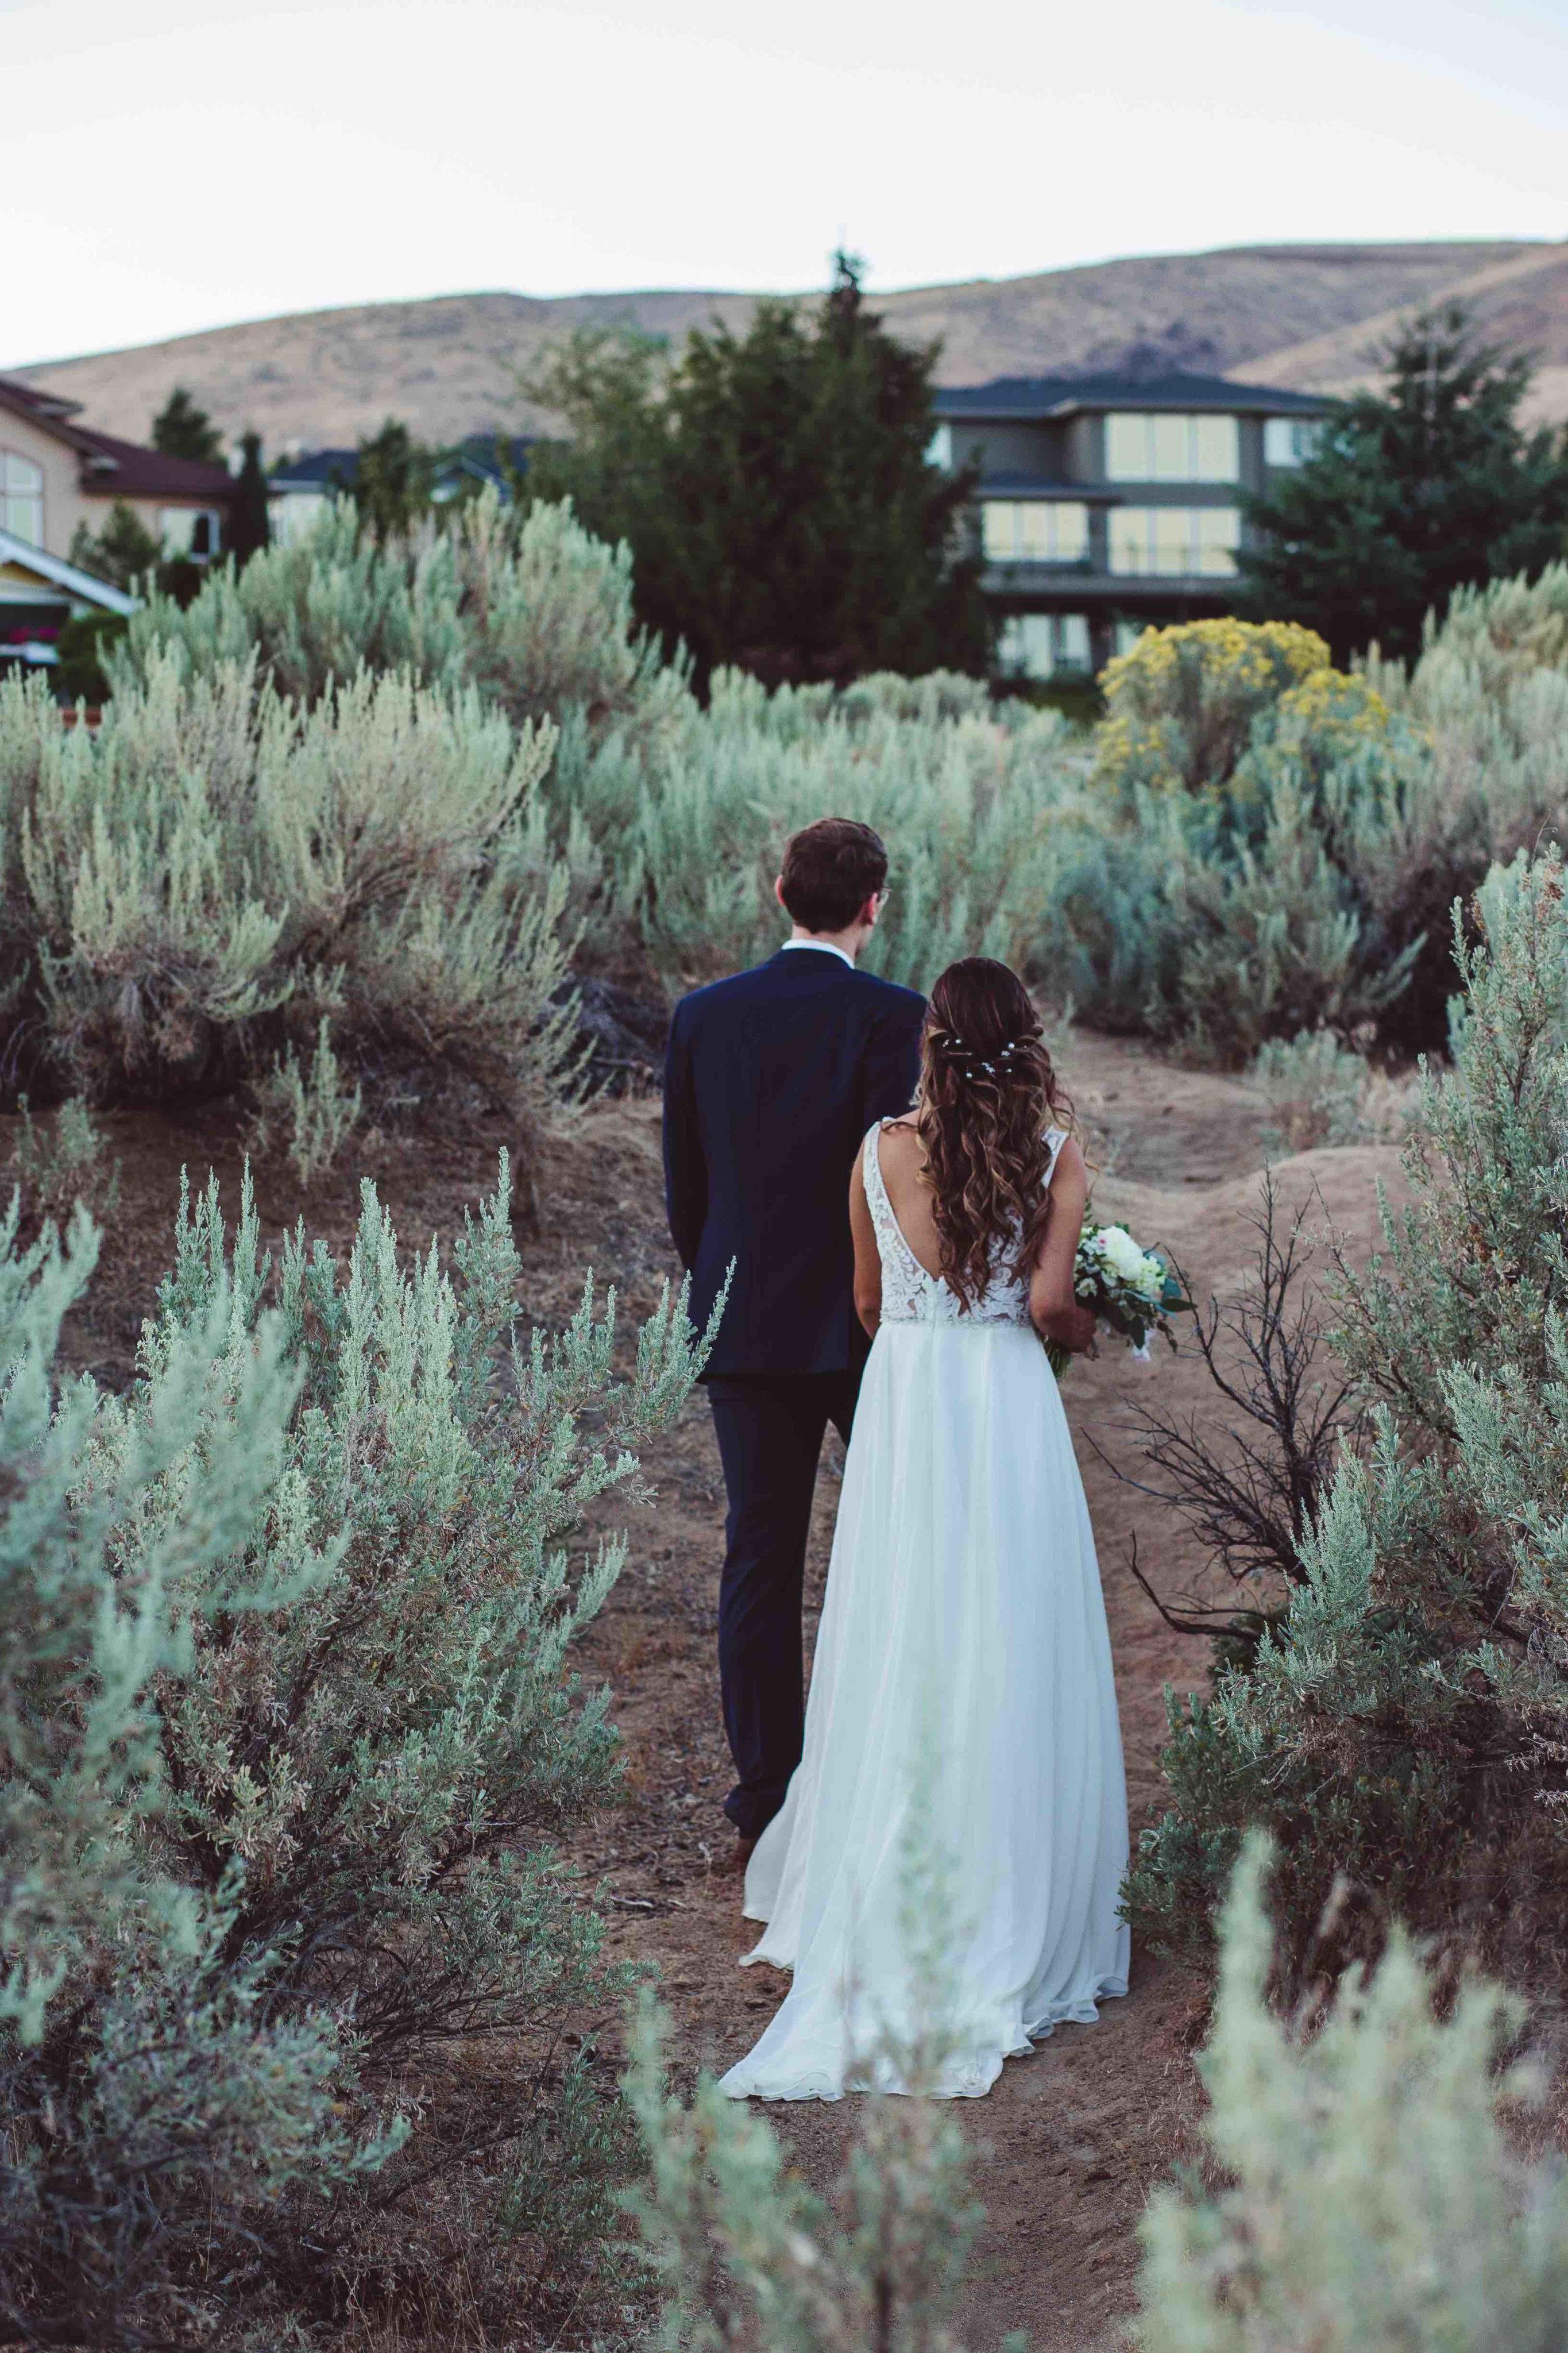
(63, 504)
(65, 501)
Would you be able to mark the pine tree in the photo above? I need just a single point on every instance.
(1427, 486)
(775, 491)
(182, 430)
(249, 517)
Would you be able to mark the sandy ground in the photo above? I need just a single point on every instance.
(1069, 2142)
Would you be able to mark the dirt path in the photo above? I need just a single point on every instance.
(1070, 2141)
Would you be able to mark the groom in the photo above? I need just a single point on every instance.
(772, 1081)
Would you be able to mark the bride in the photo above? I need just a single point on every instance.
(962, 1641)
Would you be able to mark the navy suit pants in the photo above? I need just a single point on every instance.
(770, 1428)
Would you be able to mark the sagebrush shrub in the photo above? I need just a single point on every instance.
(1375, 2204)
(1252, 844)
(1316, 1091)
(288, 1733)
(309, 1110)
(308, 615)
(64, 1163)
(525, 606)
(1405, 1723)
(202, 878)
(691, 838)
(1283, 843)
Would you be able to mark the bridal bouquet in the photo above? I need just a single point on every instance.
(1131, 1291)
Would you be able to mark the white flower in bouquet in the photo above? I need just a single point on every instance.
(1131, 1291)
(1120, 1252)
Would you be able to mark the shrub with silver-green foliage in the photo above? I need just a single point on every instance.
(529, 608)
(152, 2090)
(1375, 2204)
(217, 867)
(289, 1732)
(690, 837)
(749, 2256)
(315, 611)
(546, 613)
(1307, 885)
(1308, 882)
(66, 1162)
(1320, 1092)
(1483, 723)
(309, 1110)
(1474, 1271)
(1406, 1725)
(1505, 627)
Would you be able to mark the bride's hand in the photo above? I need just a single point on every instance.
(1072, 1328)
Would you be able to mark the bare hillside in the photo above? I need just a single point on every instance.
(1520, 303)
(449, 364)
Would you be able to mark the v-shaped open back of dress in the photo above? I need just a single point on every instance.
(962, 1648)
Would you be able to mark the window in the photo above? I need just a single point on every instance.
(1289, 440)
(1166, 541)
(1128, 634)
(1072, 641)
(1174, 449)
(938, 450)
(22, 497)
(1039, 645)
(190, 530)
(1034, 531)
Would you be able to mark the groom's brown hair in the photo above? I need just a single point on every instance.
(830, 870)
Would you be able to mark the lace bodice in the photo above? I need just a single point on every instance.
(910, 1295)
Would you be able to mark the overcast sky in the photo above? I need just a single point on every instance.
(174, 165)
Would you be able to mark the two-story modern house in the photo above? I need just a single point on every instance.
(1106, 504)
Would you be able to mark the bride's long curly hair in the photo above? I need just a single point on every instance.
(987, 1093)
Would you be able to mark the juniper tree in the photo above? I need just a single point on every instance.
(1427, 485)
(775, 491)
(182, 430)
(249, 515)
(124, 552)
(393, 482)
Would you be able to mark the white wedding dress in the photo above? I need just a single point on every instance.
(964, 1622)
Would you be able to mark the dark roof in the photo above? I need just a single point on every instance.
(1058, 396)
(17, 394)
(111, 468)
(125, 470)
(325, 470)
(317, 470)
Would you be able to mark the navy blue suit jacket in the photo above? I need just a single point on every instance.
(772, 1080)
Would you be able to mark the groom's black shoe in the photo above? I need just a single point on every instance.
(734, 1864)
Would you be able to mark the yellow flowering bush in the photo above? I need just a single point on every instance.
(1181, 704)
(1329, 720)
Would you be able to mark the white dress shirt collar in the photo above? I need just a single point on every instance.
(823, 947)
